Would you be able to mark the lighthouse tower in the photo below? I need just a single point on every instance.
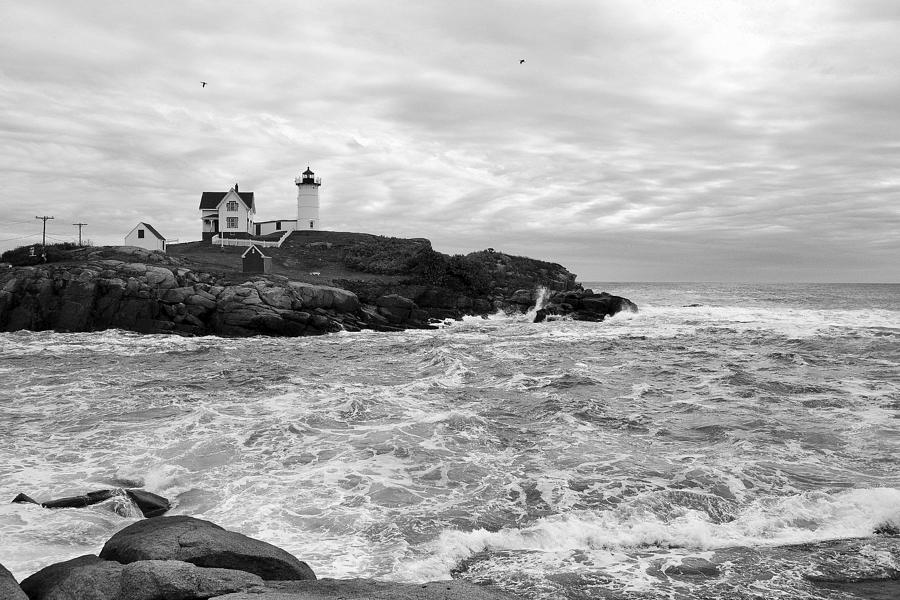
(307, 200)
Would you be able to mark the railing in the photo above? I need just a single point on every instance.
(217, 239)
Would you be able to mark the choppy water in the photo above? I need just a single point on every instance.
(557, 460)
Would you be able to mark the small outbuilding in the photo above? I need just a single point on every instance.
(254, 261)
(145, 236)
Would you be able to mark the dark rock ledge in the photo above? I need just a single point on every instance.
(151, 298)
(183, 558)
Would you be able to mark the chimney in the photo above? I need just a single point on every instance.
(235, 186)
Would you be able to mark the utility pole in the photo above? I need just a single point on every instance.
(44, 219)
(79, 226)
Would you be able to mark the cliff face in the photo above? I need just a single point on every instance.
(164, 299)
(362, 282)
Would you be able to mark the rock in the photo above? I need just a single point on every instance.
(367, 589)
(92, 578)
(150, 504)
(170, 579)
(204, 544)
(584, 305)
(160, 277)
(692, 566)
(24, 499)
(85, 578)
(321, 296)
(9, 588)
(522, 297)
(396, 309)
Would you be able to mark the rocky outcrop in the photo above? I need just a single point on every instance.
(148, 298)
(182, 558)
(150, 292)
(9, 588)
(580, 305)
(204, 544)
(90, 577)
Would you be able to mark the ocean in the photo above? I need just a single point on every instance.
(726, 441)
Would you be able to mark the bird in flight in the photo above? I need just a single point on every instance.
(204, 83)
(521, 61)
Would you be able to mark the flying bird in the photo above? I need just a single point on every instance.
(521, 61)
(204, 83)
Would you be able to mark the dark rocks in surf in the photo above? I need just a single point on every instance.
(692, 566)
(92, 577)
(583, 305)
(9, 587)
(185, 558)
(367, 589)
(204, 544)
(150, 504)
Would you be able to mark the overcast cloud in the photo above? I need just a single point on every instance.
(641, 139)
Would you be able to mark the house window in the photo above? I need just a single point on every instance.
(312, 224)
(140, 233)
(231, 222)
(278, 225)
(231, 206)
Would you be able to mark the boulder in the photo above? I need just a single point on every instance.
(86, 578)
(204, 544)
(368, 589)
(9, 588)
(92, 578)
(169, 579)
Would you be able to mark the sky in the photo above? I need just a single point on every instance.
(641, 140)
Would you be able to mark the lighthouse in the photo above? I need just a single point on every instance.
(307, 200)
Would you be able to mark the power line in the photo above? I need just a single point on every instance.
(20, 238)
(44, 219)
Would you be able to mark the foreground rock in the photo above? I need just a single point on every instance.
(204, 544)
(183, 558)
(9, 588)
(91, 578)
(367, 589)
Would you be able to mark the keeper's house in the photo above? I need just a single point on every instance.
(228, 213)
(145, 236)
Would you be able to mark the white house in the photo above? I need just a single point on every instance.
(228, 213)
(232, 214)
(145, 236)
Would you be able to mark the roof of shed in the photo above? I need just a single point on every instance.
(253, 247)
(151, 229)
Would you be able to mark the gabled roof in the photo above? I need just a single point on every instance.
(149, 228)
(251, 248)
(211, 200)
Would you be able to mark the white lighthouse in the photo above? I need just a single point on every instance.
(307, 200)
